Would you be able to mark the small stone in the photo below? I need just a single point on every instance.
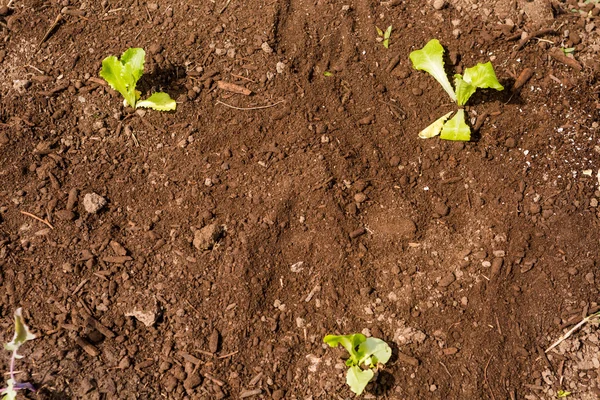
(439, 4)
(93, 203)
(155, 48)
(441, 208)
(278, 394)
(205, 238)
(266, 48)
(432, 388)
(360, 197)
(4, 10)
(21, 85)
(535, 208)
(450, 351)
(589, 277)
(280, 67)
(510, 143)
(447, 280)
(417, 91)
(169, 383)
(65, 215)
(394, 161)
(594, 202)
(192, 381)
(366, 120)
(124, 363)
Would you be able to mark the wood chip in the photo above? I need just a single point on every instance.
(523, 77)
(559, 56)
(233, 88)
(87, 347)
(100, 328)
(250, 393)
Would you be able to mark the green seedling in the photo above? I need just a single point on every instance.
(562, 394)
(568, 50)
(327, 74)
(385, 36)
(122, 75)
(481, 76)
(22, 335)
(370, 352)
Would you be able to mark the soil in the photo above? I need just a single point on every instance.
(205, 253)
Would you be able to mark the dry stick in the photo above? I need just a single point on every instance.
(249, 108)
(37, 218)
(225, 6)
(485, 378)
(51, 29)
(572, 330)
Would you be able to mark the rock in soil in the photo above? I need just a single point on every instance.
(93, 203)
(205, 238)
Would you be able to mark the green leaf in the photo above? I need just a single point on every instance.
(113, 72)
(10, 393)
(22, 334)
(358, 379)
(561, 394)
(482, 76)
(430, 59)
(464, 90)
(327, 73)
(373, 351)
(457, 129)
(435, 128)
(158, 101)
(379, 31)
(349, 342)
(133, 59)
(388, 32)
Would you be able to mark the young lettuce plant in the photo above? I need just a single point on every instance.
(370, 352)
(22, 335)
(430, 59)
(122, 75)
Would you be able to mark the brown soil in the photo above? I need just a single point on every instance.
(242, 236)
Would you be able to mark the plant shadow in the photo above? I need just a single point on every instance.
(169, 79)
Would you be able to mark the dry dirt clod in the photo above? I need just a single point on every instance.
(93, 203)
(447, 280)
(213, 341)
(439, 4)
(205, 238)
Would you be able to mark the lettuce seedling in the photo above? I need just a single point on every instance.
(370, 352)
(122, 75)
(22, 335)
(430, 59)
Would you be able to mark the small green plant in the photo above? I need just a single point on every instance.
(122, 75)
(384, 36)
(563, 394)
(22, 335)
(370, 352)
(430, 59)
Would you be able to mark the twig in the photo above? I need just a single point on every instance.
(51, 29)
(228, 355)
(572, 330)
(486, 380)
(37, 218)
(225, 6)
(249, 108)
